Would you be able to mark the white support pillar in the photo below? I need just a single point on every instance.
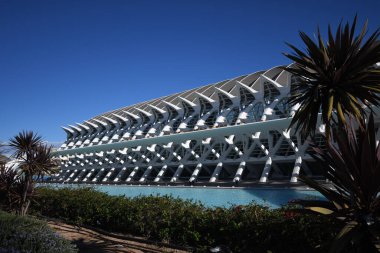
(266, 170)
(134, 171)
(296, 170)
(194, 176)
(63, 176)
(98, 175)
(239, 172)
(177, 173)
(108, 174)
(88, 175)
(71, 175)
(161, 173)
(120, 174)
(80, 175)
(215, 174)
(146, 174)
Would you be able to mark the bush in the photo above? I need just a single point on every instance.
(251, 228)
(24, 234)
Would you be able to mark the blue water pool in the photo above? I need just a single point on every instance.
(212, 197)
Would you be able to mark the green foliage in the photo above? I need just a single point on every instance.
(335, 76)
(12, 187)
(34, 159)
(353, 167)
(250, 228)
(23, 234)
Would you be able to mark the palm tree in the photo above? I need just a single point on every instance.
(10, 185)
(353, 168)
(3, 158)
(335, 76)
(34, 160)
(339, 79)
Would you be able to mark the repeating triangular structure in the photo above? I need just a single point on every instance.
(231, 131)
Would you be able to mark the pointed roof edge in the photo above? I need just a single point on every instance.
(205, 97)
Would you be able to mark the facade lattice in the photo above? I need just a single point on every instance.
(232, 131)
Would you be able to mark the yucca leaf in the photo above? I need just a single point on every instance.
(342, 64)
(320, 210)
(340, 113)
(342, 240)
(330, 107)
(331, 195)
(317, 206)
(374, 231)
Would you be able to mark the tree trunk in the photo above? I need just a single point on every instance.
(24, 201)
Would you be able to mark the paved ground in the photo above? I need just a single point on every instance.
(88, 240)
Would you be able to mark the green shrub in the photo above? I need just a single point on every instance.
(24, 234)
(251, 228)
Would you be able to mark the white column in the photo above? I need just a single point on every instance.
(196, 171)
(108, 174)
(71, 175)
(161, 173)
(132, 173)
(146, 173)
(120, 174)
(177, 173)
(80, 175)
(88, 175)
(63, 176)
(98, 175)
(215, 174)
(239, 172)
(266, 170)
(296, 170)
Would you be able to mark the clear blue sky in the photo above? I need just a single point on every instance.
(66, 61)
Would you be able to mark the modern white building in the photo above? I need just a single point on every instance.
(233, 131)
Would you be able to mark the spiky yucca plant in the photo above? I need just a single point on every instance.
(336, 76)
(34, 160)
(12, 186)
(353, 167)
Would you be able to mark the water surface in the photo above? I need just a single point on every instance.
(211, 196)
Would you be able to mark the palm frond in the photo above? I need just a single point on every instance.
(24, 142)
(337, 77)
(352, 165)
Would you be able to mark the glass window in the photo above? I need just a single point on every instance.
(205, 106)
(158, 116)
(270, 93)
(275, 136)
(285, 149)
(295, 82)
(188, 110)
(210, 121)
(232, 116)
(257, 152)
(172, 113)
(256, 112)
(246, 98)
(225, 102)
(233, 154)
(132, 120)
(318, 140)
(282, 108)
(145, 119)
(218, 148)
(283, 171)
(192, 122)
(176, 125)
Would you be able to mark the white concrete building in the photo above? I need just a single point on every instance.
(231, 131)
